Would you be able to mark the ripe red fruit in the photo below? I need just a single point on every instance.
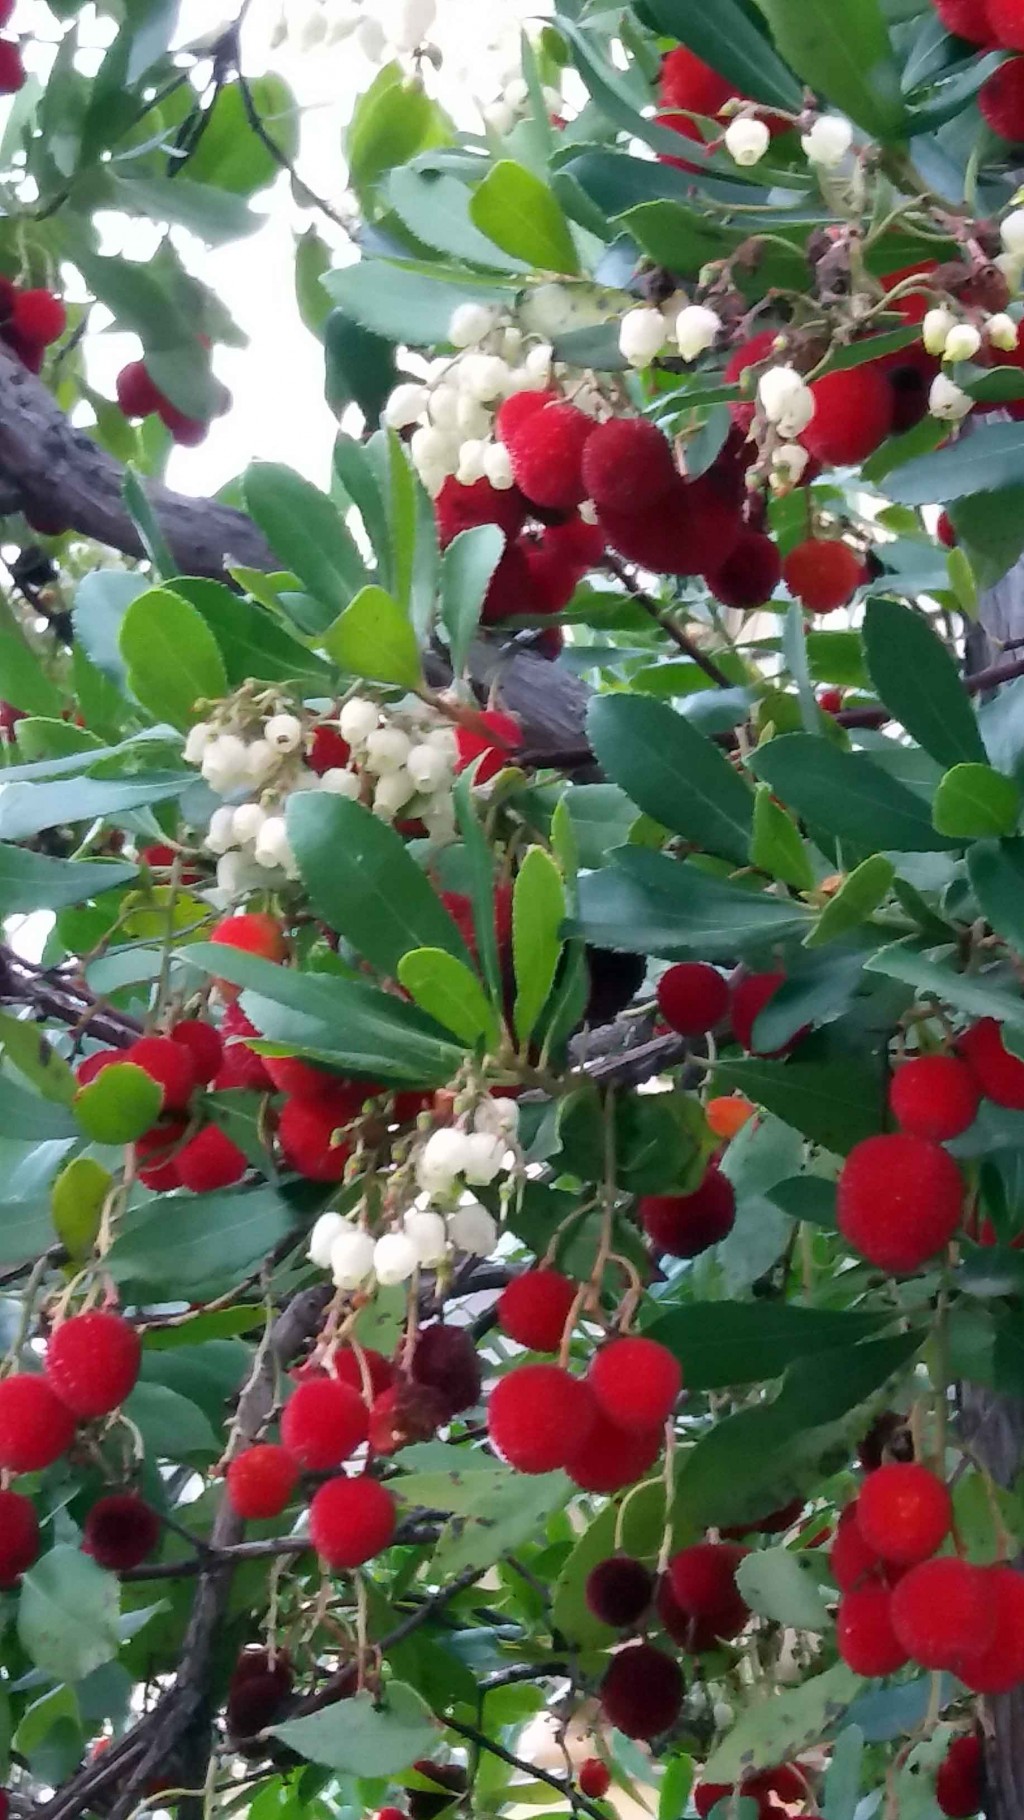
(750, 574)
(445, 1360)
(695, 1635)
(323, 1423)
(904, 1513)
(302, 1080)
(594, 1778)
(36, 1427)
(606, 1458)
(308, 1133)
(703, 1579)
(534, 1308)
(684, 1225)
(851, 1557)
(686, 82)
(945, 531)
(749, 995)
(167, 1063)
(970, 19)
(577, 541)
(553, 575)
(350, 1521)
(261, 1480)
(328, 751)
(511, 590)
(823, 573)
(944, 1615)
(1001, 99)
(642, 1691)
(202, 1044)
(707, 1795)
(405, 1413)
(92, 1361)
(40, 316)
(252, 932)
(934, 1096)
(999, 1074)
(659, 537)
(830, 701)
(156, 1154)
(12, 68)
(209, 1161)
(619, 1591)
(241, 1066)
(493, 739)
(1006, 19)
(865, 1635)
(959, 1785)
(693, 997)
(636, 1382)
(627, 465)
(188, 431)
(136, 393)
(547, 455)
(379, 1370)
(1001, 1667)
(121, 1531)
(900, 1200)
(458, 508)
(852, 415)
(513, 412)
(19, 1536)
(536, 1414)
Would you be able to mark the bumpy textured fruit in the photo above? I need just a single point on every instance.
(209, 1161)
(458, 508)
(627, 465)
(513, 412)
(258, 1690)
(851, 1557)
(404, 1413)
(1001, 100)
(493, 739)
(1001, 1668)
(904, 1513)
(619, 1591)
(446, 1361)
(642, 1691)
(534, 1308)
(750, 574)
(202, 1044)
(999, 1074)
(156, 1153)
(970, 19)
(253, 932)
(852, 415)
(636, 1382)
(684, 1225)
(35, 1426)
(323, 1423)
(121, 1531)
(261, 1480)
(693, 997)
(943, 1614)
(595, 1778)
(535, 1414)
(312, 1140)
(350, 1521)
(349, 1366)
(92, 1362)
(167, 1063)
(900, 1200)
(823, 573)
(605, 1458)
(703, 1578)
(695, 1635)
(547, 455)
(685, 81)
(728, 1113)
(934, 1096)
(750, 993)
(959, 1785)
(242, 1066)
(865, 1635)
(1006, 19)
(19, 1536)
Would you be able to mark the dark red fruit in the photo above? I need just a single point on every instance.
(328, 751)
(636, 1382)
(121, 1531)
(202, 1044)
(156, 1154)
(445, 1360)
(852, 415)
(823, 574)
(350, 1521)
(536, 1414)
(19, 1536)
(642, 1691)
(261, 1480)
(547, 455)
(627, 465)
(534, 1308)
(594, 1778)
(92, 1362)
(619, 1591)
(1001, 99)
(323, 1423)
(998, 1072)
(865, 1635)
(904, 1513)
(136, 393)
(684, 1225)
(693, 997)
(493, 739)
(35, 1426)
(209, 1161)
(900, 1201)
(934, 1096)
(606, 1458)
(458, 508)
(167, 1063)
(749, 575)
(39, 316)
(960, 1783)
(404, 1413)
(260, 1685)
(703, 1578)
(311, 1136)
(12, 68)
(750, 993)
(944, 1615)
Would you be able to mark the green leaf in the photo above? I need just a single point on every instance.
(858, 897)
(776, 845)
(989, 459)
(26, 809)
(466, 569)
(362, 1737)
(832, 1103)
(510, 1510)
(360, 366)
(990, 537)
(28, 1118)
(447, 990)
(725, 36)
(136, 499)
(392, 121)
(996, 871)
(435, 207)
(847, 794)
(26, 1230)
(27, 1048)
(213, 214)
(848, 59)
(538, 912)
(33, 881)
(230, 153)
(374, 639)
(77, 1199)
(68, 1614)
(649, 904)
(917, 680)
(173, 659)
(782, 1725)
(782, 1585)
(306, 532)
(650, 750)
(213, 1242)
(401, 304)
(379, 899)
(480, 883)
(974, 801)
(252, 644)
(119, 1105)
(170, 1425)
(943, 979)
(843, 1777)
(720, 1344)
(23, 680)
(518, 212)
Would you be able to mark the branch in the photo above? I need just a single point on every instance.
(567, 1790)
(57, 994)
(663, 617)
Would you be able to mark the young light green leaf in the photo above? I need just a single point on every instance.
(519, 213)
(76, 1200)
(974, 802)
(466, 569)
(174, 662)
(781, 1585)
(446, 989)
(119, 1105)
(858, 897)
(538, 912)
(374, 639)
(25, 1046)
(776, 845)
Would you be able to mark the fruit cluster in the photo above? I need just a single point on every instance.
(30, 320)
(139, 396)
(605, 1430)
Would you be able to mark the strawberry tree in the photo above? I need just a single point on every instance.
(511, 1086)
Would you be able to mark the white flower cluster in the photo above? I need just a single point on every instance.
(943, 333)
(513, 104)
(402, 759)
(646, 332)
(454, 405)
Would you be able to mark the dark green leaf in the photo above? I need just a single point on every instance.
(29, 1118)
(213, 1242)
(719, 1344)
(832, 1103)
(725, 37)
(26, 809)
(918, 682)
(990, 530)
(374, 639)
(672, 772)
(647, 903)
(973, 802)
(847, 794)
(173, 660)
(858, 897)
(518, 212)
(943, 979)
(306, 532)
(991, 458)
(996, 870)
(466, 569)
(360, 366)
(34, 881)
(253, 645)
(171, 1426)
(846, 58)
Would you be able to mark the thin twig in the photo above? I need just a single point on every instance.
(663, 617)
